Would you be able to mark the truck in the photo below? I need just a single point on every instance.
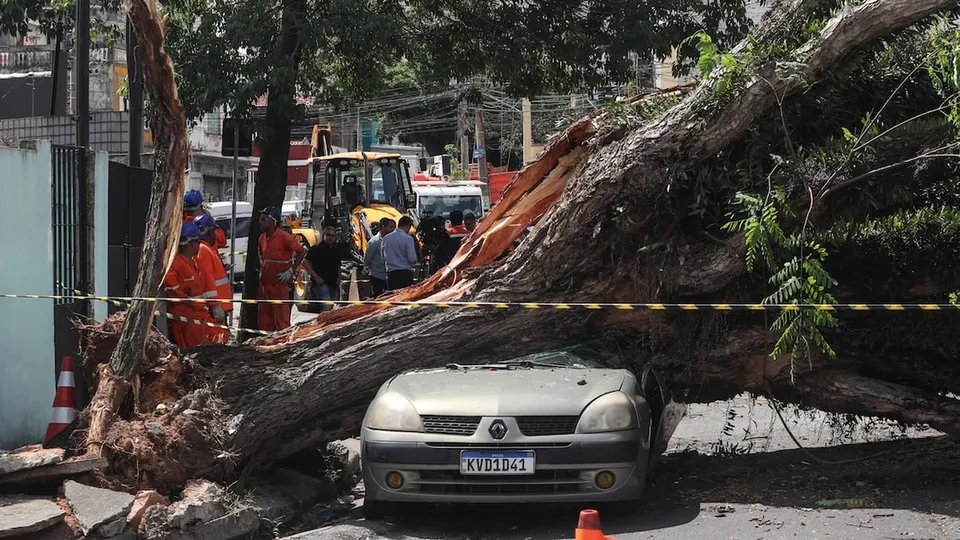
(440, 197)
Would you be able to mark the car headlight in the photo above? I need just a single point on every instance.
(609, 412)
(393, 412)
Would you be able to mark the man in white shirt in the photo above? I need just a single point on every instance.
(399, 255)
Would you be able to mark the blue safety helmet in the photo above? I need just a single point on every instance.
(272, 212)
(204, 222)
(189, 233)
(192, 199)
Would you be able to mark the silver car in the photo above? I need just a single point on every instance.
(563, 426)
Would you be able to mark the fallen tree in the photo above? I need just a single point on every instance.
(610, 200)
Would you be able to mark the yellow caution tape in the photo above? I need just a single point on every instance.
(525, 305)
(120, 302)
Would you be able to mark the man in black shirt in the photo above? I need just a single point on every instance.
(322, 262)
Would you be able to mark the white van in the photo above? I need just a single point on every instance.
(221, 213)
(441, 198)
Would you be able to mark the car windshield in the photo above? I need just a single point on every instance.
(431, 205)
(595, 354)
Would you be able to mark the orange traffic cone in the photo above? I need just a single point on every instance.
(588, 528)
(64, 402)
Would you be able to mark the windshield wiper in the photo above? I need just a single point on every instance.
(534, 363)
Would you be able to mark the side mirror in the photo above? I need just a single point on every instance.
(410, 201)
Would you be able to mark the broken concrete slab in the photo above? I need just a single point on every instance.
(144, 499)
(202, 501)
(273, 503)
(28, 515)
(241, 524)
(28, 457)
(112, 528)
(154, 525)
(95, 506)
(55, 472)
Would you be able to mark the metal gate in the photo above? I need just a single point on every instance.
(70, 217)
(69, 262)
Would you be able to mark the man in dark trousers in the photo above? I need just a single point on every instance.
(373, 257)
(399, 255)
(322, 262)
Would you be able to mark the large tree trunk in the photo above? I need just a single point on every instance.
(271, 184)
(290, 391)
(169, 125)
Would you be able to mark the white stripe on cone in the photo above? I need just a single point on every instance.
(63, 415)
(66, 379)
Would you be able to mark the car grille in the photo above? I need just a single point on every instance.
(450, 425)
(538, 426)
(497, 446)
(541, 482)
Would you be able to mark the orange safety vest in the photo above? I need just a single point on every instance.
(276, 255)
(211, 269)
(183, 280)
(460, 231)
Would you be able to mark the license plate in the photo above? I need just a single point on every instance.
(497, 463)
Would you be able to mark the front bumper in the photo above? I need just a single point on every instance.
(566, 467)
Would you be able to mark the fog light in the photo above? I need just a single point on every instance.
(394, 480)
(605, 480)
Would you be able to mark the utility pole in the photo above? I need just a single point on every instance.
(82, 66)
(527, 132)
(233, 210)
(461, 134)
(481, 148)
(359, 133)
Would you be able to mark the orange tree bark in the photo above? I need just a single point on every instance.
(295, 389)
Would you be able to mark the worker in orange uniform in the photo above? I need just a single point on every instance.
(183, 280)
(216, 282)
(193, 207)
(280, 256)
(457, 229)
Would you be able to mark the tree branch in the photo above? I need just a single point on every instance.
(868, 174)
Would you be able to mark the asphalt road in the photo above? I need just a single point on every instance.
(738, 479)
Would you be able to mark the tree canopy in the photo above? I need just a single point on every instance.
(350, 50)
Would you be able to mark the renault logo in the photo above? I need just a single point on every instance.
(498, 429)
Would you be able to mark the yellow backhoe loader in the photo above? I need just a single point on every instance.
(351, 191)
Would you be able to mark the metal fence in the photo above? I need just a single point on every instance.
(68, 198)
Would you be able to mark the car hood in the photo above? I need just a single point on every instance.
(484, 392)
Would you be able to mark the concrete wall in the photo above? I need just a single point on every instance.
(27, 380)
